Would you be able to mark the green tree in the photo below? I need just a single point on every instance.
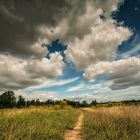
(37, 102)
(21, 102)
(28, 103)
(84, 104)
(50, 102)
(93, 103)
(7, 99)
(63, 104)
(33, 102)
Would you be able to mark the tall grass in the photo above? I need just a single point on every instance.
(114, 123)
(35, 123)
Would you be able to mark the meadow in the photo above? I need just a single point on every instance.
(39, 123)
(51, 123)
(112, 123)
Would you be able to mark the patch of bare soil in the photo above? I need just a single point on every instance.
(75, 134)
(88, 109)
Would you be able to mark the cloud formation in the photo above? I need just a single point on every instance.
(86, 26)
(99, 45)
(19, 22)
(17, 73)
(53, 83)
(79, 87)
(108, 95)
(121, 74)
(42, 96)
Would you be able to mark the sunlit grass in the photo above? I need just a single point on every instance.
(35, 123)
(114, 123)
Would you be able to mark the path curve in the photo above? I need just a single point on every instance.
(75, 134)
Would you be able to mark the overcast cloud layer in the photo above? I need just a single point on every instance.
(86, 26)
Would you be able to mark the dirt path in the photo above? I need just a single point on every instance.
(75, 134)
(88, 109)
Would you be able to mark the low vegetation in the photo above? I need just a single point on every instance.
(21, 119)
(112, 123)
(9, 100)
(37, 123)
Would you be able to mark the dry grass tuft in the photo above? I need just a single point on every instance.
(113, 123)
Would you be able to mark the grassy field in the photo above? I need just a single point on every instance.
(42, 123)
(114, 123)
(35, 123)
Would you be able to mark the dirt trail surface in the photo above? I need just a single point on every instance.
(75, 134)
(88, 109)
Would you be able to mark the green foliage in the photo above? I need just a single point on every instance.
(7, 99)
(37, 102)
(93, 103)
(21, 102)
(63, 104)
(58, 107)
(109, 104)
(84, 104)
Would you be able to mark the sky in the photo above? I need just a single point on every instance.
(73, 49)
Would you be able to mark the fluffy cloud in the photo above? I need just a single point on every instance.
(24, 24)
(79, 19)
(27, 27)
(43, 96)
(87, 26)
(121, 74)
(99, 45)
(17, 73)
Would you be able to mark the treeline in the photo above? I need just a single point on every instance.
(119, 103)
(8, 100)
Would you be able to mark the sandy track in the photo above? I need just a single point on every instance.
(88, 109)
(75, 134)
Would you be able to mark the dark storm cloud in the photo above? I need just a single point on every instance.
(125, 82)
(19, 19)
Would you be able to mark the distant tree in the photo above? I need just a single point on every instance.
(93, 103)
(7, 99)
(37, 102)
(21, 102)
(33, 102)
(57, 102)
(75, 104)
(109, 104)
(63, 104)
(84, 104)
(28, 103)
(50, 102)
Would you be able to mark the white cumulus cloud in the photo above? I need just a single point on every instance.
(121, 74)
(99, 45)
(17, 73)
